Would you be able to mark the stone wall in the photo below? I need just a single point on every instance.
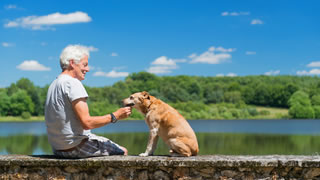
(161, 167)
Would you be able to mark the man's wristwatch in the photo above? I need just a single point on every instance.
(113, 118)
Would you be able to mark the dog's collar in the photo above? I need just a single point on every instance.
(149, 105)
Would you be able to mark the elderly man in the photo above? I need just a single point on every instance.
(67, 114)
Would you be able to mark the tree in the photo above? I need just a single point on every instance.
(262, 94)
(33, 92)
(299, 111)
(20, 102)
(299, 97)
(4, 103)
(315, 100)
(316, 112)
(233, 97)
(300, 106)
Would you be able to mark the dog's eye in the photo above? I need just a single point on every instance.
(131, 97)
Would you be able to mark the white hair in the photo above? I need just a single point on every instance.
(73, 52)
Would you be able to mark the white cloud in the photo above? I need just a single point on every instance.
(164, 65)
(111, 74)
(256, 21)
(163, 60)
(161, 69)
(32, 65)
(221, 49)
(6, 44)
(45, 22)
(270, 73)
(11, 6)
(314, 64)
(91, 48)
(114, 54)
(228, 75)
(232, 75)
(301, 73)
(210, 57)
(311, 72)
(251, 53)
(235, 13)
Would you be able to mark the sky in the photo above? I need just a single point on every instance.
(167, 38)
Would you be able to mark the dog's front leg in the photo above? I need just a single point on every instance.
(152, 142)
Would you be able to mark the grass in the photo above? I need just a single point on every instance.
(20, 119)
(275, 113)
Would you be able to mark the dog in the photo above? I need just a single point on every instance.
(166, 122)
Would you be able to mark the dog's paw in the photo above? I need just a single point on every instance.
(144, 154)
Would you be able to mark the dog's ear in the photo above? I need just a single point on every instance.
(145, 95)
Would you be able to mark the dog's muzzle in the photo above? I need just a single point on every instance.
(129, 105)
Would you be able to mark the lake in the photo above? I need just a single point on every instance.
(227, 137)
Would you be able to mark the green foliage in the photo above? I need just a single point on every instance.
(233, 97)
(252, 111)
(300, 106)
(183, 92)
(4, 103)
(25, 115)
(299, 97)
(264, 112)
(101, 108)
(299, 111)
(315, 100)
(20, 102)
(316, 112)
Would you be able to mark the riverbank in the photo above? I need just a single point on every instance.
(219, 113)
(20, 119)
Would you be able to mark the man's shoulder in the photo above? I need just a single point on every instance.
(66, 79)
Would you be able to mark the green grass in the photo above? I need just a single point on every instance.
(275, 113)
(20, 119)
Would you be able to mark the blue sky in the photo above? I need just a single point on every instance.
(167, 38)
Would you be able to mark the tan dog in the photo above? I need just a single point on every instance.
(166, 122)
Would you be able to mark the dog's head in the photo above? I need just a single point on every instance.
(139, 100)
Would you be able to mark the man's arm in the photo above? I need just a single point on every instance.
(81, 109)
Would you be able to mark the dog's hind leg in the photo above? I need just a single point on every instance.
(179, 149)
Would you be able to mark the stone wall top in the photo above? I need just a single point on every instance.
(165, 161)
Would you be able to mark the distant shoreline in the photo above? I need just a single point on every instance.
(274, 113)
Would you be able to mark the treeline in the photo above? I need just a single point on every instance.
(195, 96)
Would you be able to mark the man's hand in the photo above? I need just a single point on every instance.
(123, 113)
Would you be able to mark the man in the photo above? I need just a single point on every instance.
(67, 114)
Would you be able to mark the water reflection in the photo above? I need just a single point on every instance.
(209, 143)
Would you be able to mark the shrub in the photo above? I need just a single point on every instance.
(264, 112)
(244, 113)
(301, 112)
(227, 115)
(136, 115)
(26, 115)
(252, 111)
(316, 112)
(235, 113)
(299, 97)
(315, 100)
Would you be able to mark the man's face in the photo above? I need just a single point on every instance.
(81, 69)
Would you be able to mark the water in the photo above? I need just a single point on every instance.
(229, 137)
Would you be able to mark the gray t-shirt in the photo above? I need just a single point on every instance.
(63, 127)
